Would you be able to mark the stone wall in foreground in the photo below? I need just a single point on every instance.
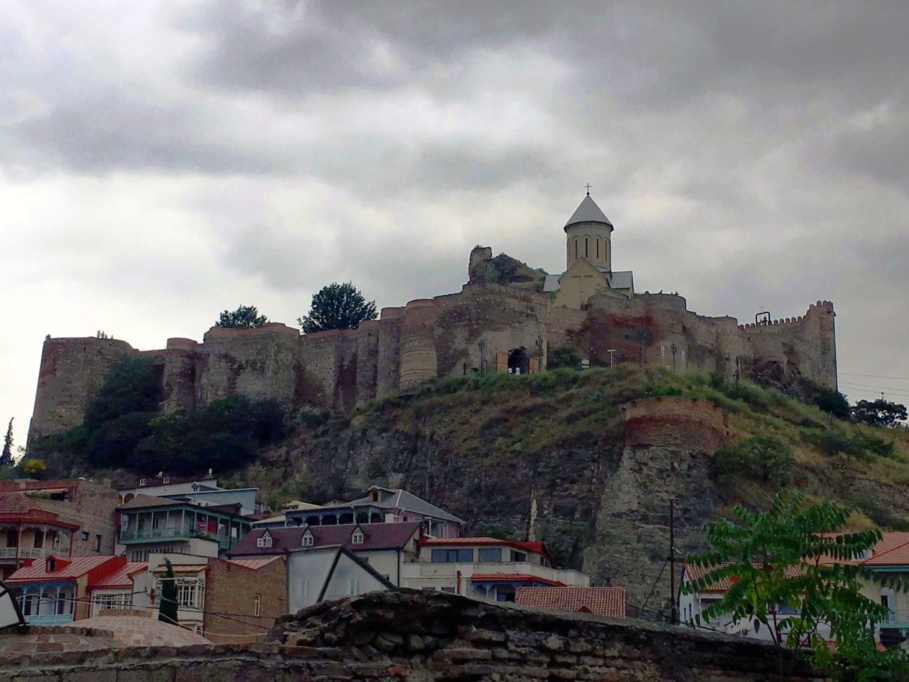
(407, 635)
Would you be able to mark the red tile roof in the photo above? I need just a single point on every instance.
(697, 572)
(66, 568)
(375, 536)
(15, 506)
(120, 578)
(602, 601)
(511, 578)
(536, 547)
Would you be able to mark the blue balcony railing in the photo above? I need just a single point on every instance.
(50, 619)
(170, 534)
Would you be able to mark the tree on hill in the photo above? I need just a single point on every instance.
(244, 317)
(833, 403)
(792, 574)
(6, 458)
(337, 306)
(879, 413)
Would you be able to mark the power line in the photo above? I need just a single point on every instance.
(874, 376)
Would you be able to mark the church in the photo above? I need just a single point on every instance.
(588, 261)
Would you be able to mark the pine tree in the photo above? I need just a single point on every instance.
(7, 457)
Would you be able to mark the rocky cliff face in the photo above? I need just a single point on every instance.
(589, 479)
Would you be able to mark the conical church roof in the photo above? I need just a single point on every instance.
(588, 212)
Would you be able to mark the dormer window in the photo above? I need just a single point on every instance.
(357, 537)
(265, 540)
(166, 480)
(141, 481)
(307, 539)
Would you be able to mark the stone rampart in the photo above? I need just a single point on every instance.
(407, 635)
(674, 422)
(456, 334)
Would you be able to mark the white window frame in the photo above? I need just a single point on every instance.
(357, 537)
(307, 540)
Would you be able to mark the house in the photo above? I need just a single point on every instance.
(386, 547)
(55, 590)
(486, 568)
(205, 492)
(158, 524)
(227, 601)
(887, 560)
(115, 590)
(317, 574)
(380, 505)
(61, 517)
(600, 601)
(280, 520)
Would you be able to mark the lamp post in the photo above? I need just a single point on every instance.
(674, 349)
(611, 352)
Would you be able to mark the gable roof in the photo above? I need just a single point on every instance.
(892, 550)
(376, 536)
(587, 212)
(67, 569)
(602, 601)
(254, 564)
(121, 578)
(697, 572)
(396, 498)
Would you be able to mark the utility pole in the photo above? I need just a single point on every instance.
(674, 617)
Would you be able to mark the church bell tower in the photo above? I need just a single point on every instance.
(589, 235)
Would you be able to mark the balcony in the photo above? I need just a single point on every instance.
(897, 618)
(31, 552)
(171, 534)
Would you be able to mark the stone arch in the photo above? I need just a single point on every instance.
(518, 361)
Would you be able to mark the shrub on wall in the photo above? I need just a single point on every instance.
(763, 458)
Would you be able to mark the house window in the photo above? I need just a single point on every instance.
(85, 536)
(97, 543)
(141, 481)
(139, 555)
(448, 590)
(662, 351)
(452, 556)
(307, 539)
(166, 479)
(264, 541)
(103, 602)
(357, 537)
(257, 605)
(156, 521)
(518, 556)
(489, 555)
(354, 586)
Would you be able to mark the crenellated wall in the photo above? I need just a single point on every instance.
(453, 335)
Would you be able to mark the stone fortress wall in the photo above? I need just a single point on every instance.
(459, 334)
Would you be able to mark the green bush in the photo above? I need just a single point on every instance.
(654, 390)
(858, 445)
(763, 458)
(564, 356)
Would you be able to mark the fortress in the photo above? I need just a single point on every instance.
(507, 318)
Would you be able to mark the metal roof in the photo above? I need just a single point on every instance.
(587, 212)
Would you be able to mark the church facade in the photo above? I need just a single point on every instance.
(508, 317)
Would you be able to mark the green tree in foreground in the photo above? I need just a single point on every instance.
(168, 605)
(337, 306)
(790, 556)
(244, 317)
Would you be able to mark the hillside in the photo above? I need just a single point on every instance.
(555, 456)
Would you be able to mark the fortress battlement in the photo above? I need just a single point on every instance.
(507, 318)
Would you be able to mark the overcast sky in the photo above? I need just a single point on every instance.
(163, 161)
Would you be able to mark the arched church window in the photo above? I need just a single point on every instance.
(575, 249)
(598, 247)
(586, 247)
(605, 250)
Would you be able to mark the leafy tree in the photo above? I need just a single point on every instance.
(244, 317)
(34, 468)
(833, 403)
(790, 556)
(168, 607)
(6, 458)
(337, 306)
(879, 413)
(564, 356)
